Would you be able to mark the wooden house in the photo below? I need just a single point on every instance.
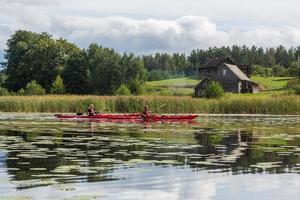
(229, 75)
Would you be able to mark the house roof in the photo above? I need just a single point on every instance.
(237, 72)
(240, 75)
(216, 62)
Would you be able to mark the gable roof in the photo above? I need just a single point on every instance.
(237, 72)
(216, 62)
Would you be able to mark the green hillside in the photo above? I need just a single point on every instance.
(185, 86)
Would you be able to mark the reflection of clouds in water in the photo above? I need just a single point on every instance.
(176, 185)
(140, 181)
(203, 189)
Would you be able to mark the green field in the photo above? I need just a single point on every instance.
(272, 83)
(187, 82)
(172, 87)
(185, 86)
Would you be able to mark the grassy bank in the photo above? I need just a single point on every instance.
(272, 83)
(260, 104)
(172, 87)
(185, 86)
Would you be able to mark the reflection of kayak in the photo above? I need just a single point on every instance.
(133, 116)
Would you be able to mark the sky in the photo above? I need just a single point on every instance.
(148, 26)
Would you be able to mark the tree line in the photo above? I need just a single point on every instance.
(96, 70)
(53, 63)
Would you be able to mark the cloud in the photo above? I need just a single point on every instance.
(29, 2)
(115, 24)
(182, 34)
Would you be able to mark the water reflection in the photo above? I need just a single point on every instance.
(45, 152)
(66, 158)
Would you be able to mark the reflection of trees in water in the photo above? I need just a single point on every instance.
(238, 149)
(20, 167)
(248, 148)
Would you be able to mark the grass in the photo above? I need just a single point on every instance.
(175, 92)
(272, 83)
(176, 82)
(184, 86)
(172, 87)
(256, 104)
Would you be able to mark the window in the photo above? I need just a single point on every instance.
(224, 72)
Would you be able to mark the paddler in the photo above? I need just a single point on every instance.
(146, 111)
(91, 110)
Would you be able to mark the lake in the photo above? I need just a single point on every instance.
(215, 157)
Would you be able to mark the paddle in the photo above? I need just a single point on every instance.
(156, 110)
(161, 106)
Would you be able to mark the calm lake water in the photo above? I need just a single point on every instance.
(213, 158)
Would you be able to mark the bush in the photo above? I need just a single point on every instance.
(136, 87)
(33, 88)
(297, 90)
(288, 92)
(278, 70)
(3, 91)
(123, 90)
(57, 86)
(21, 92)
(214, 90)
(259, 70)
(293, 83)
(293, 70)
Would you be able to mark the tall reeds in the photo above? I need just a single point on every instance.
(123, 104)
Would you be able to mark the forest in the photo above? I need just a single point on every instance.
(39, 61)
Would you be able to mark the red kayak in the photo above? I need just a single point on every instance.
(133, 116)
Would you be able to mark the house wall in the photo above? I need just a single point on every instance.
(228, 80)
(199, 90)
(255, 89)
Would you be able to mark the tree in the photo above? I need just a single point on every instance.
(132, 69)
(33, 88)
(106, 73)
(32, 56)
(76, 74)
(281, 56)
(269, 58)
(18, 45)
(58, 86)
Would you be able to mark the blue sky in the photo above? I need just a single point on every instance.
(144, 26)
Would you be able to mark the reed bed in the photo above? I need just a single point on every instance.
(232, 104)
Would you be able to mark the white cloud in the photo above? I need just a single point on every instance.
(149, 26)
(182, 34)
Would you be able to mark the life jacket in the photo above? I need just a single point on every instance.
(91, 112)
